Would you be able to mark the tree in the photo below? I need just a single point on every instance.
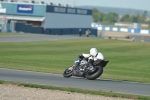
(133, 18)
(97, 16)
(111, 17)
(144, 15)
(125, 18)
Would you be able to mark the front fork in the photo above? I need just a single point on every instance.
(76, 62)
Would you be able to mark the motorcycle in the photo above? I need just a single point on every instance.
(81, 68)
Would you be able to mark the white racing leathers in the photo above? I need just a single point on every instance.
(91, 59)
(98, 57)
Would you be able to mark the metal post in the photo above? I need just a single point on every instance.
(13, 25)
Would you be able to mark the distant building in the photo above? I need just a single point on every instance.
(44, 14)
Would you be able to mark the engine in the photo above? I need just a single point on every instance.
(83, 64)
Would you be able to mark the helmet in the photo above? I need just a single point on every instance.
(93, 52)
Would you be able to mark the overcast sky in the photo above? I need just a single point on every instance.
(136, 4)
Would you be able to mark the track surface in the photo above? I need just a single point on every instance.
(43, 37)
(35, 37)
(140, 37)
(59, 80)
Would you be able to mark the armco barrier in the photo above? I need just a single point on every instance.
(129, 30)
(69, 31)
(75, 31)
(47, 31)
(93, 32)
(66, 31)
(28, 28)
(36, 29)
(56, 31)
(18, 26)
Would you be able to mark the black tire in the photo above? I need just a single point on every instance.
(95, 74)
(67, 73)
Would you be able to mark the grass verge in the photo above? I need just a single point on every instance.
(100, 93)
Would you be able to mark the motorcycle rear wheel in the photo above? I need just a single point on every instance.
(95, 74)
(67, 73)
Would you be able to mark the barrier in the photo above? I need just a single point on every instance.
(28, 28)
(135, 31)
(70, 31)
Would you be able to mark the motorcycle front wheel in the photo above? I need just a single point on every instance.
(95, 74)
(67, 73)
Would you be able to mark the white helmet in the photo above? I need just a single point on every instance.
(93, 52)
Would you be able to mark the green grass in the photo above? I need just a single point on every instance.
(100, 93)
(128, 60)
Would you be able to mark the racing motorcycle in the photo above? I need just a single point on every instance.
(81, 68)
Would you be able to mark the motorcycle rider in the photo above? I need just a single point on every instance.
(93, 56)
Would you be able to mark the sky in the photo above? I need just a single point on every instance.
(136, 4)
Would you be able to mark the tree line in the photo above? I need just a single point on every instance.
(113, 17)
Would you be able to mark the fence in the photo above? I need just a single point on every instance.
(129, 30)
(28, 28)
(122, 25)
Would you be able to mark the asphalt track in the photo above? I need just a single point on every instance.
(74, 82)
(59, 80)
(143, 38)
(35, 37)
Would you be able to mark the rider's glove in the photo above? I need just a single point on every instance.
(81, 56)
